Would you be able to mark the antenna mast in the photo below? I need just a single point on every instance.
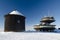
(48, 13)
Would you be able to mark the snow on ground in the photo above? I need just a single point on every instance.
(29, 36)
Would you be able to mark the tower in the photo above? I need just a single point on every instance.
(46, 24)
(14, 21)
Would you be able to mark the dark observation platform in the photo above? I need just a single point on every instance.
(46, 25)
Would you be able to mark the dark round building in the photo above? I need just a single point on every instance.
(15, 22)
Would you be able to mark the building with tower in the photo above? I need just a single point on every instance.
(14, 21)
(46, 25)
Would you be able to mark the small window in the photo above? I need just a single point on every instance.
(18, 21)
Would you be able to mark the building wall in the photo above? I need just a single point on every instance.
(14, 23)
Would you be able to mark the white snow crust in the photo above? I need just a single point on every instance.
(29, 36)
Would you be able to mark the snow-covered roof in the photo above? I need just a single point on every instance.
(15, 12)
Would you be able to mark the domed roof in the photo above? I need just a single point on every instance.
(15, 12)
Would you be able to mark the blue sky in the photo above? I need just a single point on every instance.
(33, 10)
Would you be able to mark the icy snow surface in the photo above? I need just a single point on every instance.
(29, 36)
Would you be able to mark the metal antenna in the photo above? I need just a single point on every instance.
(48, 12)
